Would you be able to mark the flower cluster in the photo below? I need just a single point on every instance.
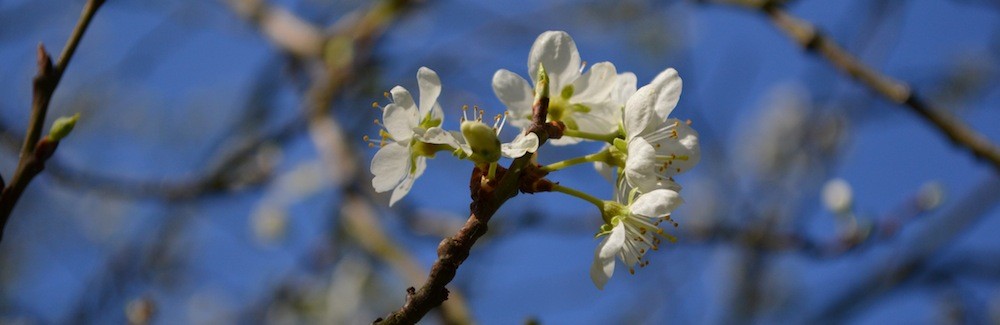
(411, 133)
(645, 148)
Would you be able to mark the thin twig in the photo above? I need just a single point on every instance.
(811, 39)
(35, 152)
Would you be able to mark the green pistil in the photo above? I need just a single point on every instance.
(561, 110)
(566, 92)
(556, 110)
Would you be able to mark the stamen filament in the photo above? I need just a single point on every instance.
(502, 122)
(673, 157)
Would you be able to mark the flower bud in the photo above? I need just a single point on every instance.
(483, 141)
(62, 126)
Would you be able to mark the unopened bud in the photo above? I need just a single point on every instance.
(483, 141)
(542, 86)
(62, 126)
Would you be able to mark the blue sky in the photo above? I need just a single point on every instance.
(164, 86)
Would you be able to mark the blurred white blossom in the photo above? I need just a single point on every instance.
(837, 196)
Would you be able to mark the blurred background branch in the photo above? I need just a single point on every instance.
(811, 39)
(32, 158)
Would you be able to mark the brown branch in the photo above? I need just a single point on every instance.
(486, 200)
(342, 57)
(359, 217)
(35, 152)
(811, 39)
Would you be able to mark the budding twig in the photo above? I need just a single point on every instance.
(35, 152)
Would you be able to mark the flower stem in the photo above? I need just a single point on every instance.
(587, 197)
(609, 138)
(493, 170)
(600, 156)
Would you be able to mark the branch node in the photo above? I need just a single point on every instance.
(44, 61)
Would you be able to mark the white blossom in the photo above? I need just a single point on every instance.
(633, 229)
(625, 87)
(658, 147)
(411, 134)
(582, 101)
(837, 195)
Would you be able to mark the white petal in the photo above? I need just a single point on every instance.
(599, 120)
(520, 145)
(557, 51)
(404, 187)
(625, 86)
(402, 97)
(668, 88)
(460, 139)
(668, 184)
(615, 242)
(596, 85)
(437, 112)
(514, 92)
(564, 141)
(686, 144)
(641, 165)
(389, 166)
(657, 203)
(438, 135)
(597, 273)
(639, 111)
(400, 121)
(604, 257)
(430, 89)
